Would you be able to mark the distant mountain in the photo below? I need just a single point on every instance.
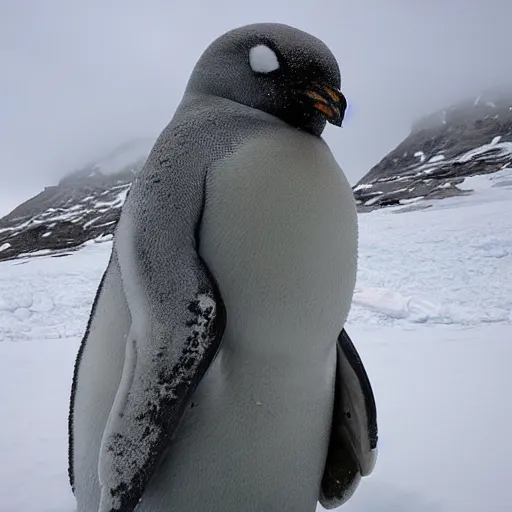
(471, 137)
(85, 205)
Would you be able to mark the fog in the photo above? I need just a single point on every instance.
(79, 77)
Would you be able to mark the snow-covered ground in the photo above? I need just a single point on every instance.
(431, 318)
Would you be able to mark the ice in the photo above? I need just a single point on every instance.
(117, 201)
(19, 226)
(363, 186)
(436, 158)
(104, 238)
(396, 305)
(420, 155)
(444, 410)
(34, 394)
(505, 147)
(431, 319)
(41, 252)
(373, 200)
(57, 291)
(91, 222)
(453, 256)
(121, 196)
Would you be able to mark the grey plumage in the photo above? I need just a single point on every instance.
(159, 318)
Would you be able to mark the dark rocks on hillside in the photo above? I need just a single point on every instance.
(85, 205)
(81, 215)
(473, 137)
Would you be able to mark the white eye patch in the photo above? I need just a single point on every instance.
(263, 59)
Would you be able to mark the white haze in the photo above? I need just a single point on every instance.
(78, 78)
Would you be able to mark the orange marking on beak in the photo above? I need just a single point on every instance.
(315, 96)
(334, 95)
(322, 107)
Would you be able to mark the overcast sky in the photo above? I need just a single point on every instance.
(78, 77)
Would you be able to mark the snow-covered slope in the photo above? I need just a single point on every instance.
(472, 137)
(440, 264)
(467, 139)
(85, 205)
(431, 319)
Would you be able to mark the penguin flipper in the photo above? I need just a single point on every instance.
(353, 444)
(178, 320)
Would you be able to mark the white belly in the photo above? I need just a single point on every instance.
(282, 245)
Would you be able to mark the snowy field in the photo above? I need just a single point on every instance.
(432, 319)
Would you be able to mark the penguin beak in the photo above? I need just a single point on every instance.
(328, 101)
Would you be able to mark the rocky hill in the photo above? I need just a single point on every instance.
(84, 205)
(472, 137)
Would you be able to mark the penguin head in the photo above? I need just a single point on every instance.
(275, 68)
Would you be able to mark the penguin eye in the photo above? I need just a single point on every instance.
(262, 59)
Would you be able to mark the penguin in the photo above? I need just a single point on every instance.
(215, 373)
